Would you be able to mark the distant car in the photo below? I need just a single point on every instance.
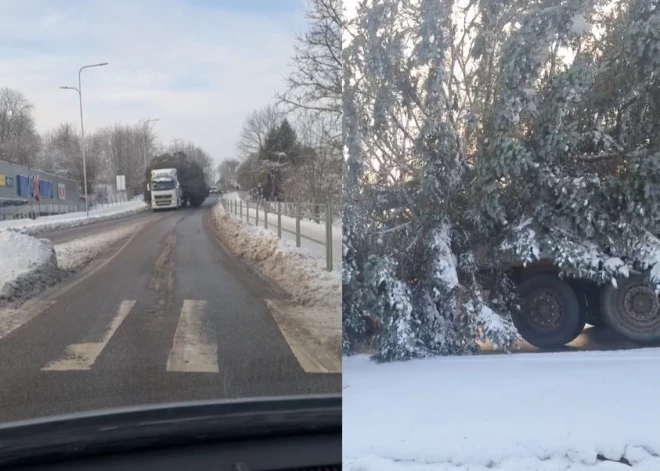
(214, 189)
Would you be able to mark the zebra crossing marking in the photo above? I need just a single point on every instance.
(82, 356)
(191, 351)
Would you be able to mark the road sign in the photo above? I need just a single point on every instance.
(121, 182)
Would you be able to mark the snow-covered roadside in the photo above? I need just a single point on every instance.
(28, 264)
(25, 263)
(63, 221)
(300, 272)
(77, 253)
(542, 411)
(308, 228)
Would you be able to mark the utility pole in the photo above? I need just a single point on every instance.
(144, 139)
(82, 128)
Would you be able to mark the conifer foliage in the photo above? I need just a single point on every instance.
(488, 130)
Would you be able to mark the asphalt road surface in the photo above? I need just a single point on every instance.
(169, 317)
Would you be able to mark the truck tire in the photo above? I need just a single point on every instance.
(550, 315)
(632, 309)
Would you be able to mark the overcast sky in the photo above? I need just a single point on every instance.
(199, 65)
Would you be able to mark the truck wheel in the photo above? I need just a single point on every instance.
(632, 309)
(550, 314)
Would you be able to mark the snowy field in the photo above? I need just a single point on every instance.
(62, 221)
(543, 411)
(307, 228)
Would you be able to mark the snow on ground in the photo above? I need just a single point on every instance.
(28, 264)
(76, 253)
(539, 411)
(307, 228)
(62, 221)
(300, 272)
(24, 260)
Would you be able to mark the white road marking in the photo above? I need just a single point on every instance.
(12, 319)
(317, 348)
(190, 351)
(82, 356)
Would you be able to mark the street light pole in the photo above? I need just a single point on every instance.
(82, 128)
(144, 139)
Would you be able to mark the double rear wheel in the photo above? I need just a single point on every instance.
(551, 314)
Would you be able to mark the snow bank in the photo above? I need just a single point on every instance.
(63, 221)
(308, 228)
(77, 253)
(300, 272)
(542, 411)
(518, 464)
(26, 264)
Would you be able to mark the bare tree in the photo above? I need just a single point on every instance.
(62, 156)
(255, 129)
(316, 81)
(148, 136)
(227, 172)
(122, 150)
(19, 140)
(317, 178)
(251, 173)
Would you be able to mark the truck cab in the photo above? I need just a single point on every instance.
(165, 189)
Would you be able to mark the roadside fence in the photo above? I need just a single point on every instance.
(21, 209)
(302, 221)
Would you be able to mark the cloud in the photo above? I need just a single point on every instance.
(199, 68)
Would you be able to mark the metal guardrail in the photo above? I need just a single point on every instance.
(34, 210)
(262, 210)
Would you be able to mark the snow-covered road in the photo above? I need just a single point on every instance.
(308, 228)
(543, 411)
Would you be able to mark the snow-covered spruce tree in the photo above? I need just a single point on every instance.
(353, 235)
(569, 158)
(416, 270)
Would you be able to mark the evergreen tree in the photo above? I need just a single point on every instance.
(554, 155)
(281, 149)
(416, 247)
(543, 183)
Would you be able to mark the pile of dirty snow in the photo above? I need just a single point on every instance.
(26, 264)
(309, 230)
(75, 254)
(299, 272)
(585, 411)
(65, 221)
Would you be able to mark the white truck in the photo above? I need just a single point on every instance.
(165, 189)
